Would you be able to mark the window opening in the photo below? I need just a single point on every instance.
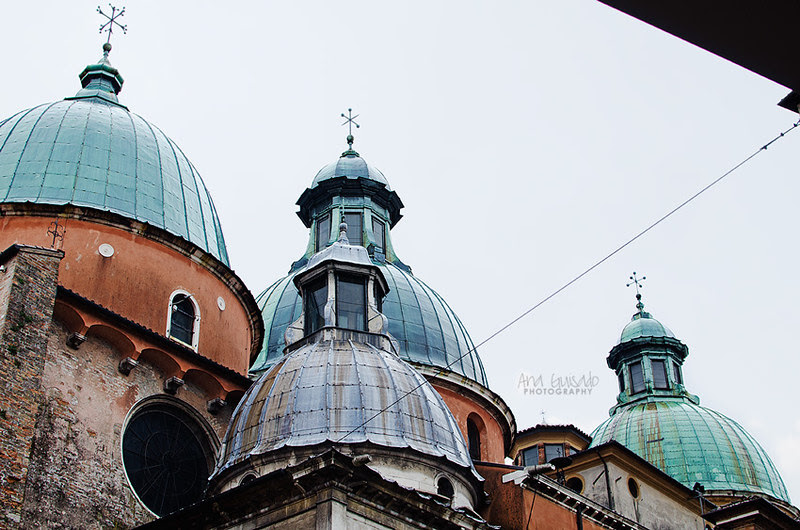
(378, 230)
(552, 451)
(659, 374)
(354, 228)
(316, 296)
(530, 456)
(575, 484)
(633, 487)
(351, 303)
(637, 378)
(167, 457)
(473, 439)
(676, 374)
(182, 319)
(323, 234)
(445, 488)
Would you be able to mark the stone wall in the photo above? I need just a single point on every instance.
(27, 297)
(77, 478)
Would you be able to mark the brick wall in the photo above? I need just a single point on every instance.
(76, 477)
(27, 297)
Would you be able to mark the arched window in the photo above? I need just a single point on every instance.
(168, 454)
(184, 319)
(474, 439)
(445, 488)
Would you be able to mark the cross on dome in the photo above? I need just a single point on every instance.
(349, 120)
(637, 282)
(108, 26)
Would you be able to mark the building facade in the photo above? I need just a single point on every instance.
(145, 385)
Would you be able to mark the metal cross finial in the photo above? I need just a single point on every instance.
(57, 231)
(349, 120)
(637, 282)
(542, 412)
(109, 26)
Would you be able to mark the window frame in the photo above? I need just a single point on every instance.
(381, 229)
(634, 388)
(558, 447)
(676, 373)
(195, 324)
(321, 240)
(188, 416)
(352, 279)
(313, 287)
(663, 368)
(360, 215)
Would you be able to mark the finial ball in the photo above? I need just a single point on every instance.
(107, 47)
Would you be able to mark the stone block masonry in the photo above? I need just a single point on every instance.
(27, 297)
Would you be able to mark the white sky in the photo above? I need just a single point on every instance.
(526, 139)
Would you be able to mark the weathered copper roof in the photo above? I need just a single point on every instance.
(342, 392)
(693, 444)
(88, 150)
(426, 329)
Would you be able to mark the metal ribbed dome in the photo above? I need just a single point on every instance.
(644, 325)
(90, 151)
(694, 444)
(350, 165)
(427, 330)
(326, 391)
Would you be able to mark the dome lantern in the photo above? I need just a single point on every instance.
(341, 292)
(648, 359)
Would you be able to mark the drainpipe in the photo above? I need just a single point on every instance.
(608, 483)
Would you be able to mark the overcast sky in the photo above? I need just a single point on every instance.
(526, 139)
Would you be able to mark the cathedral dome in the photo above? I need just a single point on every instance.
(659, 420)
(329, 391)
(428, 332)
(694, 444)
(91, 151)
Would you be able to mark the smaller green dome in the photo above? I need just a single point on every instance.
(352, 166)
(694, 444)
(644, 325)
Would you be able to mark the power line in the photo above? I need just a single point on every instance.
(581, 275)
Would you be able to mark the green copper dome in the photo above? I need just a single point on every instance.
(694, 444)
(90, 151)
(659, 420)
(350, 165)
(644, 325)
(428, 332)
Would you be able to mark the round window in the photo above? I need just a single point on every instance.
(167, 457)
(575, 484)
(633, 487)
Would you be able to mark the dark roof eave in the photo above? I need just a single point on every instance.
(66, 294)
(350, 187)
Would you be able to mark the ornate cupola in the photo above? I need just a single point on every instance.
(425, 331)
(342, 293)
(648, 358)
(341, 386)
